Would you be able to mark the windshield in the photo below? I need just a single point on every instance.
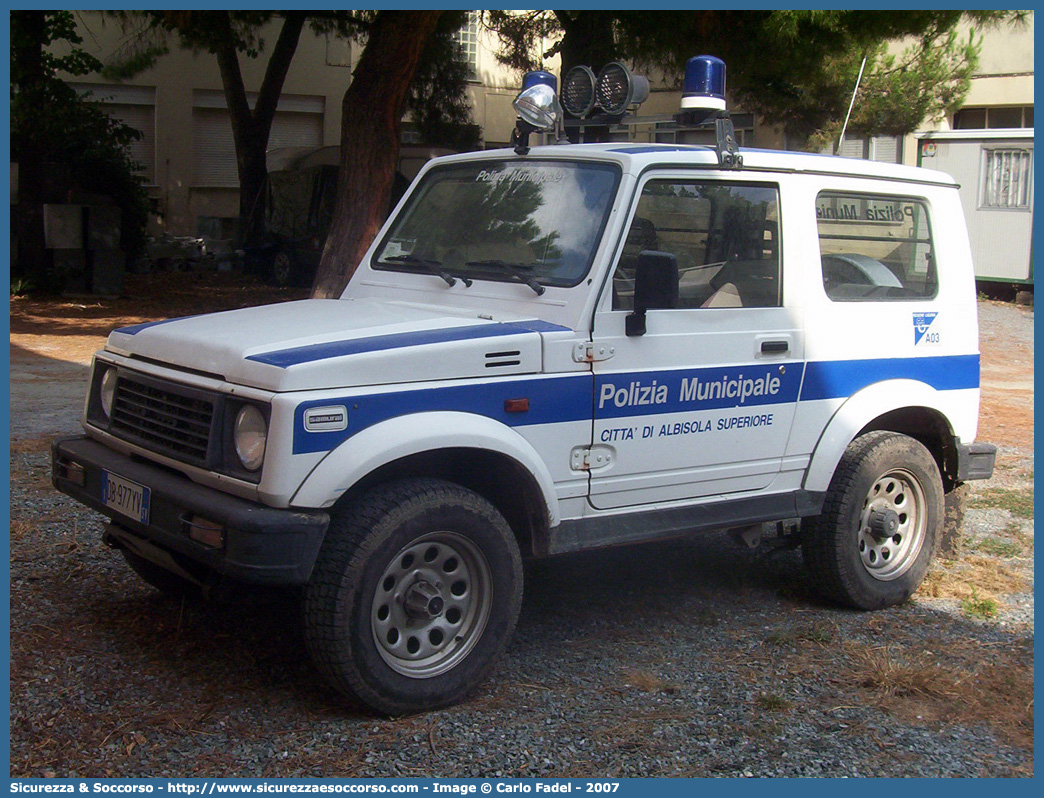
(534, 222)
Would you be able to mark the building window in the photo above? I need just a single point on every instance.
(298, 122)
(408, 134)
(338, 51)
(467, 39)
(1007, 179)
(994, 118)
(883, 149)
(135, 106)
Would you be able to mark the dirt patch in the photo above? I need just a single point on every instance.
(53, 339)
(73, 329)
(1006, 344)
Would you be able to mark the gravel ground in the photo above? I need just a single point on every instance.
(684, 658)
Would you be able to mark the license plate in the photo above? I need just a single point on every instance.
(125, 497)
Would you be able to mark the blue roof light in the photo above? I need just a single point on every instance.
(539, 77)
(704, 83)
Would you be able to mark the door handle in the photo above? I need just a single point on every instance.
(774, 347)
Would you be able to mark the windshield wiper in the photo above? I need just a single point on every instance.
(431, 266)
(514, 269)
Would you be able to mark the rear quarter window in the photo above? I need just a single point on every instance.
(875, 247)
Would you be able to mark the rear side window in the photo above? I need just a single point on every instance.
(875, 247)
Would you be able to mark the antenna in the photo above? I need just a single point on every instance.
(841, 141)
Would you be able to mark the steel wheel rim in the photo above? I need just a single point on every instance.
(889, 556)
(281, 267)
(431, 604)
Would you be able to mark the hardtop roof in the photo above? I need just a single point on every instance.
(637, 157)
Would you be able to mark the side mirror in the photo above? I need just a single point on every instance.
(655, 287)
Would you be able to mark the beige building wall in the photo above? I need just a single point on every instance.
(184, 85)
(1004, 76)
(185, 90)
(181, 81)
(1005, 73)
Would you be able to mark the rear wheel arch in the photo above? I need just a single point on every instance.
(875, 409)
(928, 427)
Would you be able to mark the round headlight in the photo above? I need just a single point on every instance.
(107, 391)
(251, 434)
(578, 91)
(618, 88)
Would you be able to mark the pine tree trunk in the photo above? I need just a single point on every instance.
(371, 118)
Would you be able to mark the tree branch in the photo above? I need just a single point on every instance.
(278, 67)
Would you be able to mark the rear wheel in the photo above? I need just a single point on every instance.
(873, 543)
(414, 596)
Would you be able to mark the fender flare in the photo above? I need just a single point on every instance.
(858, 411)
(417, 433)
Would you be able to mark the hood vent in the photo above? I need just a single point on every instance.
(503, 359)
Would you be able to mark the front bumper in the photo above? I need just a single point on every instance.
(260, 545)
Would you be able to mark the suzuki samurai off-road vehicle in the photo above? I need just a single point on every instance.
(548, 350)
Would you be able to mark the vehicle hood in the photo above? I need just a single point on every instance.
(334, 343)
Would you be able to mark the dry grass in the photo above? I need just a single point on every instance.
(21, 529)
(974, 575)
(810, 633)
(892, 673)
(993, 687)
(649, 682)
(30, 445)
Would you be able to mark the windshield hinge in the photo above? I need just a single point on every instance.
(587, 352)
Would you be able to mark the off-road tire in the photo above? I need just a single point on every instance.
(373, 564)
(882, 472)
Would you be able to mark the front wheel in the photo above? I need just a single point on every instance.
(872, 545)
(414, 596)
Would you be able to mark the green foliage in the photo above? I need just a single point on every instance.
(773, 703)
(438, 101)
(996, 547)
(49, 116)
(981, 608)
(20, 286)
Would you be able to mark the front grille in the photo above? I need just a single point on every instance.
(165, 418)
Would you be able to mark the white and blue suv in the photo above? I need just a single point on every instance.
(548, 350)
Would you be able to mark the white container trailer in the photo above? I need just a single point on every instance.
(995, 171)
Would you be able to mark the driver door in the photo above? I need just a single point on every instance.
(702, 403)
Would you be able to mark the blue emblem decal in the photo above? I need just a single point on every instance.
(922, 324)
